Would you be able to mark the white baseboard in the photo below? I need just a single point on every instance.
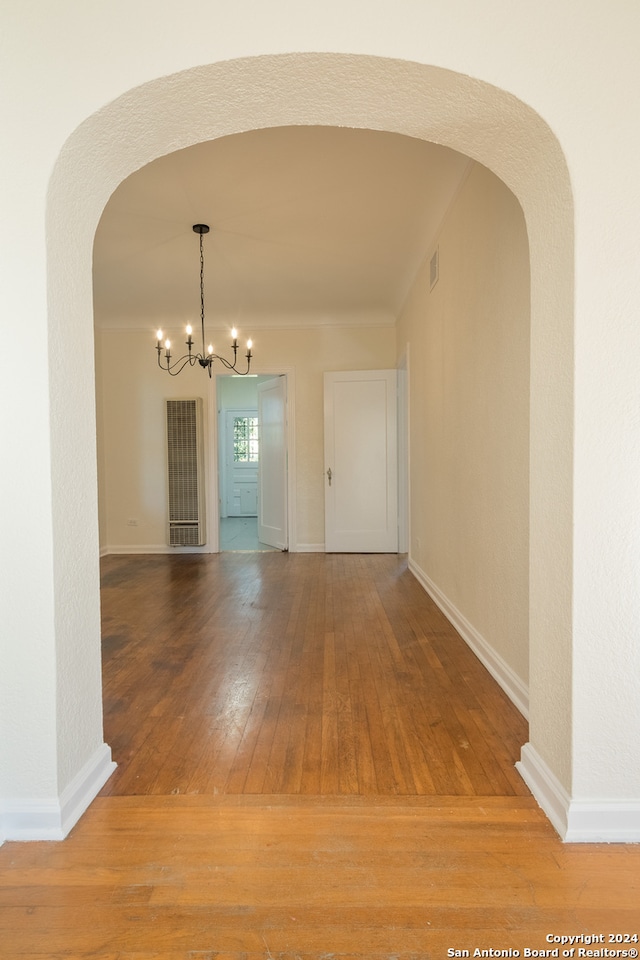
(52, 819)
(578, 821)
(545, 787)
(513, 686)
(162, 548)
(146, 548)
(603, 821)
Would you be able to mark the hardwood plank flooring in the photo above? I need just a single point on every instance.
(312, 766)
(296, 878)
(295, 674)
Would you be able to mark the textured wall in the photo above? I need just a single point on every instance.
(94, 91)
(469, 400)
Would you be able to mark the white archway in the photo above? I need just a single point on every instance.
(207, 102)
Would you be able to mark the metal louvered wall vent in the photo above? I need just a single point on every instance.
(185, 473)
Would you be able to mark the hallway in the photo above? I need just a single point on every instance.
(295, 673)
(312, 766)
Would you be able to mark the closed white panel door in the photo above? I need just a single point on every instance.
(272, 470)
(361, 485)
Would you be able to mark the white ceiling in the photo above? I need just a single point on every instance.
(321, 223)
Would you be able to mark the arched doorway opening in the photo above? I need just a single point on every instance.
(212, 101)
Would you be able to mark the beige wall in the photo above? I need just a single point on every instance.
(469, 416)
(547, 123)
(130, 409)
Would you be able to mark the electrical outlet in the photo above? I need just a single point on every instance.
(132, 523)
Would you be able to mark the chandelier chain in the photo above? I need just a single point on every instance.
(202, 290)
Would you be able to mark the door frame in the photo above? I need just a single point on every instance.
(213, 486)
(273, 464)
(225, 443)
(404, 453)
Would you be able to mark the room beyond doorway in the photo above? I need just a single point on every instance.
(252, 462)
(240, 534)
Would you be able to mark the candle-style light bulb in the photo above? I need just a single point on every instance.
(189, 329)
(167, 345)
(210, 348)
(249, 345)
(234, 334)
(159, 336)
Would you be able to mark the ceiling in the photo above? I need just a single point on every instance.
(307, 223)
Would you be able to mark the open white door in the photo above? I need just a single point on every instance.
(272, 471)
(361, 471)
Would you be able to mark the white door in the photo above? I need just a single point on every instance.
(240, 480)
(360, 446)
(272, 471)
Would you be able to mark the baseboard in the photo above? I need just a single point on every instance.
(146, 548)
(52, 819)
(545, 787)
(163, 548)
(513, 686)
(578, 821)
(603, 821)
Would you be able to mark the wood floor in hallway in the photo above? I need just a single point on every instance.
(312, 766)
(295, 673)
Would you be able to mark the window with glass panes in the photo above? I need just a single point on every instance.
(245, 439)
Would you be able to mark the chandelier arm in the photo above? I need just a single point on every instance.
(180, 363)
(232, 366)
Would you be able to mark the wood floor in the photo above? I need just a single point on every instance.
(295, 673)
(312, 766)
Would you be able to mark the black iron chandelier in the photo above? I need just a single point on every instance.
(205, 359)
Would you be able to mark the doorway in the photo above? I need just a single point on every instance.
(252, 463)
(544, 191)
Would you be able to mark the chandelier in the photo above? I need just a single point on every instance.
(205, 359)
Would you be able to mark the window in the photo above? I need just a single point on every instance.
(245, 439)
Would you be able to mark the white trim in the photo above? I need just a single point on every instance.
(404, 494)
(513, 686)
(211, 441)
(143, 548)
(545, 787)
(578, 821)
(157, 548)
(603, 821)
(52, 819)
